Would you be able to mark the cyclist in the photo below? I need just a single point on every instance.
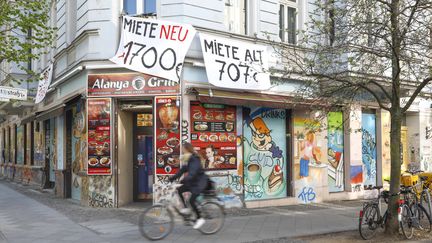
(195, 181)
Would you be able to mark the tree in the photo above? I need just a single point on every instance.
(24, 31)
(357, 50)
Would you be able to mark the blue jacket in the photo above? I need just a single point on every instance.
(195, 180)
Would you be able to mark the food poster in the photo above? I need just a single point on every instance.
(20, 145)
(310, 155)
(369, 153)
(335, 152)
(99, 136)
(213, 134)
(167, 120)
(264, 144)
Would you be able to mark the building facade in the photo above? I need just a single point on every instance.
(94, 142)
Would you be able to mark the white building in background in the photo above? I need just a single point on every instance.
(262, 143)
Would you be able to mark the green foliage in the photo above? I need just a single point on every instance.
(25, 32)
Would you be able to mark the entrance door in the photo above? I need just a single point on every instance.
(143, 156)
(49, 160)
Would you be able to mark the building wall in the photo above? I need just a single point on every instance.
(125, 159)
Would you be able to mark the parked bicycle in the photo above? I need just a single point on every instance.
(371, 217)
(157, 222)
(421, 187)
(411, 214)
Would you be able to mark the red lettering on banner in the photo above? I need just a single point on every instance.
(173, 33)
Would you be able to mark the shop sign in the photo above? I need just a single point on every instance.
(99, 136)
(7, 93)
(213, 134)
(167, 135)
(234, 64)
(155, 47)
(44, 83)
(129, 84)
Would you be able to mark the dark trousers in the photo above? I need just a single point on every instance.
(192, 200)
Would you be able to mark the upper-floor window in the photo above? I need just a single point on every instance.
(236, 16)
(288, 21)
(135, 7)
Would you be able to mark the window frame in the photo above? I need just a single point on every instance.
(283, 32)
(140, 7)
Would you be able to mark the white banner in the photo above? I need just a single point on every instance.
(154, 47)
(12, 93)
(234, 64)
(44, 83)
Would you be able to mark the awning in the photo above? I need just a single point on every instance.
(247, 98)
(49, 112)
(28, 118)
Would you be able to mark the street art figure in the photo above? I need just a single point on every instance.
(369, 149)
(264, 159)
(310, 152)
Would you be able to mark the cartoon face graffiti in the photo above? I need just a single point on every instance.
(261, 137)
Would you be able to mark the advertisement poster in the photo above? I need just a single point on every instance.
(335, 151)
(129, 84)
(167, 135)
(20, 145)
(265, 169)
(213, 134)
(369, 153)
(238, 65)
(99, 136)
(153, 46)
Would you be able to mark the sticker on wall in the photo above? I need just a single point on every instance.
(335, 151)
(369, 154)
(265, 171)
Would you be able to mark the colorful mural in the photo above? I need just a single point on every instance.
(310, 156)
(20, 145)
(79, 151)
(335, 152)
(369, 153)
(265, 169)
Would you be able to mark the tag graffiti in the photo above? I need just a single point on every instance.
(307, 195)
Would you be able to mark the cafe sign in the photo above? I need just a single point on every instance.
(129, 84)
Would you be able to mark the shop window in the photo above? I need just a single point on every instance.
(136, 7)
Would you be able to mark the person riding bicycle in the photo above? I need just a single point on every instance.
(195, 181)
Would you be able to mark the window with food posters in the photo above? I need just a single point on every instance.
(167, 120)
(99, 136)
(213, 134)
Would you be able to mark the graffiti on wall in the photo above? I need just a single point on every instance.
(79, 152)
(335, 152)
(185, 131)
(101, 191)
(369, 154)
(39, 150)
(20, 145)
(264, 153)
(311, 165)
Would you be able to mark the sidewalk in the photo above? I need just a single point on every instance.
(27, 215)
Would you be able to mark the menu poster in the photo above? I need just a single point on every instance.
(99, 136)
(213, 134)
(167, 120)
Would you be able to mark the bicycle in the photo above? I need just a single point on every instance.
(370, 218)
(160, 217)
(411, 214)
(421, 189)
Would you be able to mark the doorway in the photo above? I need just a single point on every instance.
(143, 164)
(135, 141)
(49, 153)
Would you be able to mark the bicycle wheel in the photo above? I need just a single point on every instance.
(214, 216)
(156, 223)
(405, 221)
(425, 201)
(424, 222)
(368, 221)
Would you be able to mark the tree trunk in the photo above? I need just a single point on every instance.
(392, 226)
